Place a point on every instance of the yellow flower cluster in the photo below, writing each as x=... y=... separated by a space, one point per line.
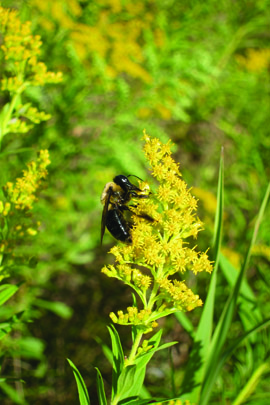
x=15 y=217
x=145 y=347
x=21 y=195
x=21 y=69
x=128 y=274
x=21 y=50
x=135 y=317
x=114 y=39
x=110 y=41
x=160 y=248
x=177 y=293
x=256 y=60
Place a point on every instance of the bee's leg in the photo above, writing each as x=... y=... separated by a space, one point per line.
x=143 y=215
x=124 y=208
x=136 y=195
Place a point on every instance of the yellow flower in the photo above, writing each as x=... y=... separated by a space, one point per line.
x=22 y=194
x=22 y=49
x=15 y=212
x=160 y=247
x=256 y=60
x=21 y=68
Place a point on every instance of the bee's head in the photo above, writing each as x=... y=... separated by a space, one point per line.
x=124 y=183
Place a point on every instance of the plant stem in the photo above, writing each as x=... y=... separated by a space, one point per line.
x=13 y=102
x=130 y=360
x=134 y=348
x=153 y=296
x=7 y=117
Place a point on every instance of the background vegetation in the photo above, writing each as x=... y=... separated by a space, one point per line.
x=196 y=72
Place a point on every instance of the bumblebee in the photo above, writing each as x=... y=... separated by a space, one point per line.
x=115 y=196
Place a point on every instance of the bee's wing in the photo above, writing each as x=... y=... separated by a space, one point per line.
x=104 y=213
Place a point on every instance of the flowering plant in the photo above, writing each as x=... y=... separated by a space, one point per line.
x=20 y=52
x=160 y=249
x=153 y=266
x=16 y=222
x=21 y=70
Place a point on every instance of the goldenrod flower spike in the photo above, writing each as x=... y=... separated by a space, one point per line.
x=22 y=50
x=22 y=194
x=15 y=211
x=160 y=249
x=21 y=68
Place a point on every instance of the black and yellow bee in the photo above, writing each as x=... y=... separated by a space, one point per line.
x=115 y=197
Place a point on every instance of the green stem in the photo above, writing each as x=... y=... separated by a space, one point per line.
x=130 y=360
x=14 y=100
x=134 y=348
x=140 y=293
x=152 y=297
x=8 y=115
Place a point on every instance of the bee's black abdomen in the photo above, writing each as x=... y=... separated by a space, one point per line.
x=117 y=226
x=115 y=198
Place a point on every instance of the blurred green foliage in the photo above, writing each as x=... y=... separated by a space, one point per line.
x=197 y=72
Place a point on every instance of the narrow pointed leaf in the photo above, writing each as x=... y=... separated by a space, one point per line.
x=82 y=390
x=118 y=357
x=225 y=356
x=251 y=384
x=11 y=393
x=225 y=320
x=185 y=322
x=195 y=371
x=130 y=401
x=132 y=377
x=249 y=312
x=6 y=292
x=100 y=389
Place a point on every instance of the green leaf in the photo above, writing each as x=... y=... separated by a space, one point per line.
x=185 y=322
x=108 y=353
x=249 y=312
x=155 y=339
x=131 y=401
x=29 y=347
x=6 y=292
x=225 y=320
x=150 y=400
x=132 y=377
x=15 y=151
x=118 y=357
x=251 y=384
x=126 y=383
x=195 y=369
x=144 y=393
x=12 y=393
x=152 y=351
x=5 y=328
x=100 y=389
x=142 y=401
x=82 y=390
x=106 y=350
x=57 y=307
x=165 y=346
x=222 y=359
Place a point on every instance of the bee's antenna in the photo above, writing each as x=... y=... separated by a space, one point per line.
x=133 y=175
